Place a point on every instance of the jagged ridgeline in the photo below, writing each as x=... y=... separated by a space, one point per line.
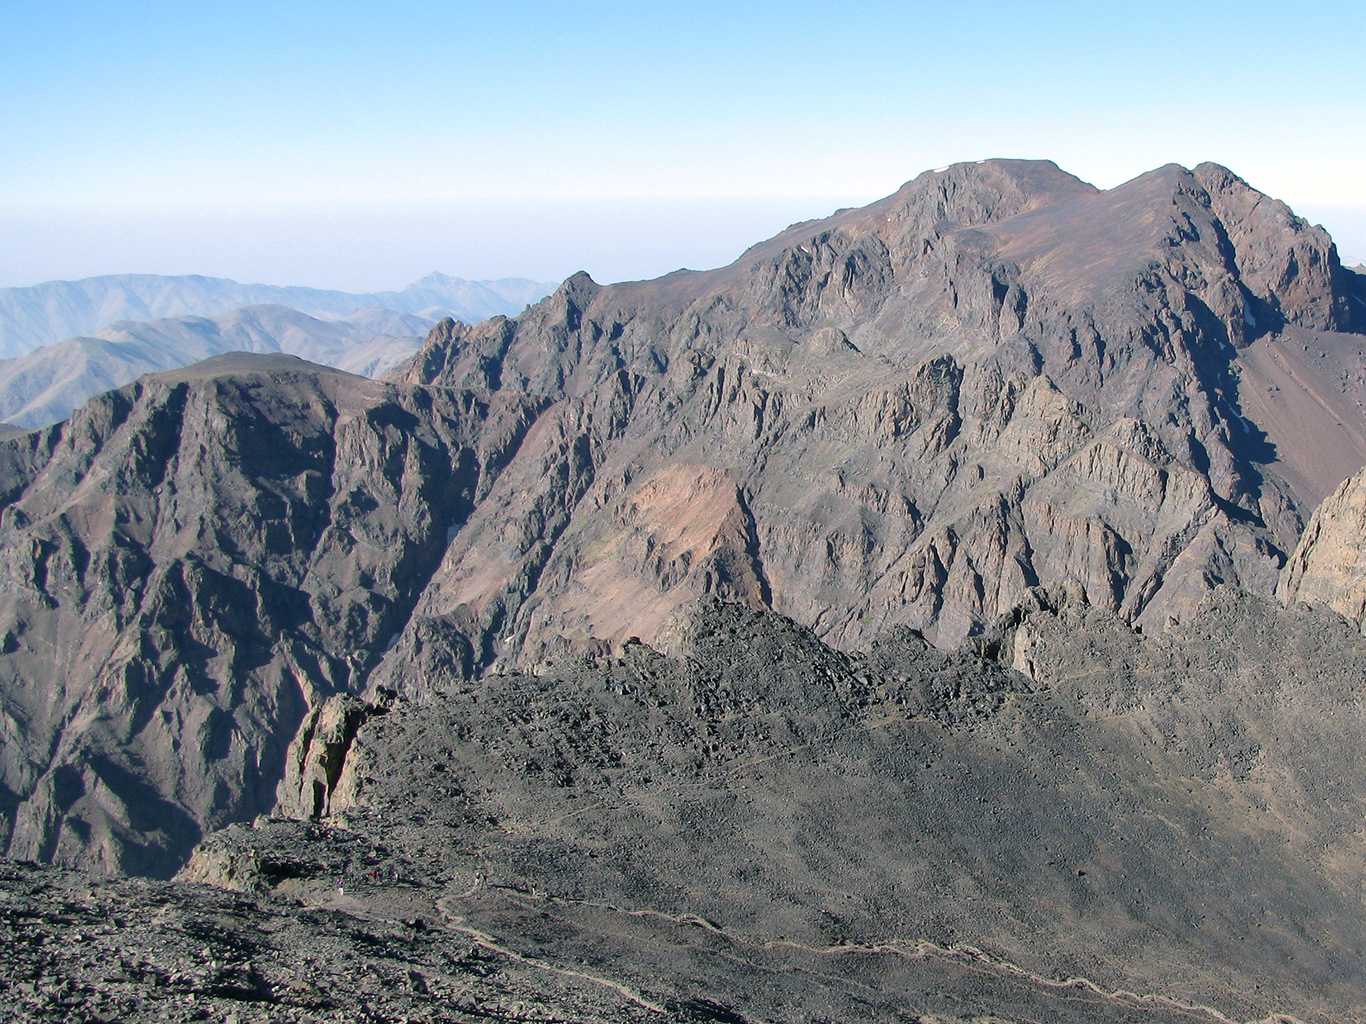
x=904 y=415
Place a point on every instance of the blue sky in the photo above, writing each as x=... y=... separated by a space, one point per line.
x=361 y=145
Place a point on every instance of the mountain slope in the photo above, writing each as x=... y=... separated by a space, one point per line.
x=1160 y=829
x=194 y=561
x=1148 y=829
x=907 y=415
x=997 y=377
x=51 y=312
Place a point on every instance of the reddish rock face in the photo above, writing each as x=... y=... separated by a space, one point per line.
x=683 y=533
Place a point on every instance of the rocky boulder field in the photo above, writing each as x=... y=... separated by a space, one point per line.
x=764 y=828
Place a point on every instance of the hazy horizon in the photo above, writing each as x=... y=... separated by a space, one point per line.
x=348 y=145
x=387 y=247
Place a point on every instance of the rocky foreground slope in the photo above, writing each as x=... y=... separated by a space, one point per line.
x=764 y=828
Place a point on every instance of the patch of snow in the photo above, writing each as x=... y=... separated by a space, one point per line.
x=941 y=170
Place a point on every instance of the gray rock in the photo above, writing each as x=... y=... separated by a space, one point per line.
x=776 y=828
x=1328 y=566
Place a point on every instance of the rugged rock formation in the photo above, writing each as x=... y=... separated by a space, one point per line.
x=313 y=764
x=995 y=378
x=908 y=415
x=195 y=562
x=1329 y=565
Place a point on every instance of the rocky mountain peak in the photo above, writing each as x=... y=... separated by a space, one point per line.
x=878 y=625
x=1289 y=267
x=970 y=194
x=959 y=305
x=905 y=417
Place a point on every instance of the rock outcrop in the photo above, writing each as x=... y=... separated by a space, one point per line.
x=314 y=762
x=1328 y=566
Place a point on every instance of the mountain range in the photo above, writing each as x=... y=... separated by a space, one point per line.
x=906 y=621
x=45 y=385
x=43 y=314
x=913 y=412
x=45 y=379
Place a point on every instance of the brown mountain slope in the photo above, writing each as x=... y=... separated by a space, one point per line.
x=191 y=563
x=998 y=376
x=909 y=414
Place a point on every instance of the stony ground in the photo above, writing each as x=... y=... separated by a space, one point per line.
x=77 y=950
x=766 y=829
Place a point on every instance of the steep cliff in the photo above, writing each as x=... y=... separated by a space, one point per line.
x=1328 y=566
x=997 y=377
x=192 y=563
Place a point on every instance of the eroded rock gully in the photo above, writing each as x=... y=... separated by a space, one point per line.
x=193 y=563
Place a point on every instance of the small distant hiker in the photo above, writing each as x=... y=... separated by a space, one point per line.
x=341 y=885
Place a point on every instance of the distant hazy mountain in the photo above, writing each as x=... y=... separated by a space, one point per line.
x=45 y=313
x=437 y=296
x=43 y=386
